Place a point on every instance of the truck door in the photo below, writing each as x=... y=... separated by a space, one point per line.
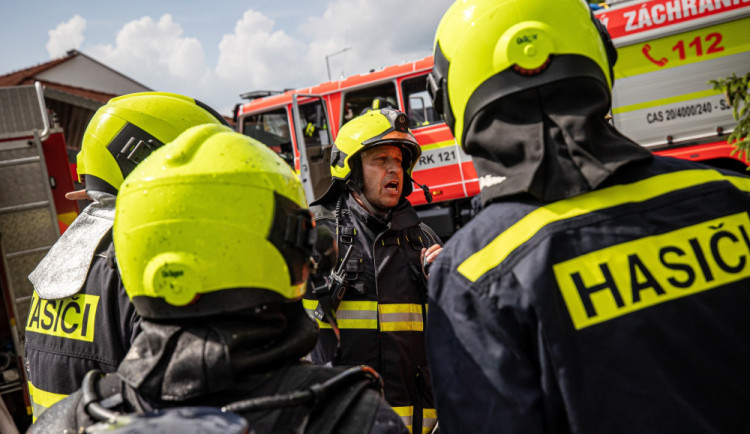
x=314 y=142
x=272 y=129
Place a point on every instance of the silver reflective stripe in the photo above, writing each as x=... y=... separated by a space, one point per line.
x=400 y=317
x=356 y=314
x=64 y=269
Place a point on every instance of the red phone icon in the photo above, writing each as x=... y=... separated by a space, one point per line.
x=646 y=49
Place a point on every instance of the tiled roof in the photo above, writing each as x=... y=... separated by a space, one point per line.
x=93 y=95
x=29 y=76
x=26 y=76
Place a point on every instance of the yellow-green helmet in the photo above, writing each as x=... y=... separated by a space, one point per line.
x=128 y=128
x=374 y=128
x=487 y=49
x=212 y=222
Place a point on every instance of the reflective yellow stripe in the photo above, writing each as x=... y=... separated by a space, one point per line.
x=429 y=419
x=438 y=145
x=350 y=314
x=406 y=414
x=41 y=400
x=498 y=249
x=67 y=217
x=69 y=318
x=665 y=101
x=617 y=280
x=401 y=317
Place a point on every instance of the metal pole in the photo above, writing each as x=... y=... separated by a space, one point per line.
x=328 y=67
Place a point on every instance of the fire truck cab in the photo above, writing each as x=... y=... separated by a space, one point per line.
x=301 y=125
x=668 y=51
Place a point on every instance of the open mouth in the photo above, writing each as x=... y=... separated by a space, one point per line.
x=392 y=187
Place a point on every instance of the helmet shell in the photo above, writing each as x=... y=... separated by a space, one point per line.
x=374 y=128
x=479 y=39
x=200 y=227
x=154 y=118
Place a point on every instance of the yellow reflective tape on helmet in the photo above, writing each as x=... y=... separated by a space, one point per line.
x=68 y=318
x=498 y=249
x=406 y=413
x=627 y=277
x=401 y=317
x=41 y=400
x=429 y=419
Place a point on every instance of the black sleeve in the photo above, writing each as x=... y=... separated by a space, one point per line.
x=61 y=417
x=484 y=372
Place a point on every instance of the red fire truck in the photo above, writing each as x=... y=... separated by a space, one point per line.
x=669 y=50
x=34 y=177
x=302 y=124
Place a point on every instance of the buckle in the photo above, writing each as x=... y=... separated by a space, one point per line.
x=136 y=150
x=298 y=231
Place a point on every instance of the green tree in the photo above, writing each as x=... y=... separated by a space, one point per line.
x=736 y=92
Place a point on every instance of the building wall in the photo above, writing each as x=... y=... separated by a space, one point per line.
x=81 y=71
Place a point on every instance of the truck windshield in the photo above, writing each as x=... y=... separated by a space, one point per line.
x=418 y=101
x=272 y=129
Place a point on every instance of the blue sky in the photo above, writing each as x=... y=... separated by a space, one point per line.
x=215 y=50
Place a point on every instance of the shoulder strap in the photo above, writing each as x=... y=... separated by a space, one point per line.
x=430 y=234
x=322 y=213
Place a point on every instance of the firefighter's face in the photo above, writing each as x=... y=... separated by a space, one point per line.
x=383 y=176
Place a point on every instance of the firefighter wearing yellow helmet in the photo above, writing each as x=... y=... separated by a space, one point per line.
x=600 y=289
x=213 y=242
x=378 y=298
x=94 y=323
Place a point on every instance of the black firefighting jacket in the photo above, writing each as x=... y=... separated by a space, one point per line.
x=217 y=361
x=621 y=310
x=66 y=338
x=382 y=315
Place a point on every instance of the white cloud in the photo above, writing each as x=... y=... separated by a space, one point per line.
x=380 y=33
x=257 y=56
x=155 y=53
x=66 y=36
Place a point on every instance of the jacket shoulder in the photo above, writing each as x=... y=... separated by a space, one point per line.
x=324 y=211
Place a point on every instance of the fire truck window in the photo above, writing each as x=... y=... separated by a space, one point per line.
x=418 y=101
x=272 y=129
x=314 y=124
x=360 y=101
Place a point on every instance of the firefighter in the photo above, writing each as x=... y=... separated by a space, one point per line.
x=601 y=289
x=80 y=317
x=213 y=244
x=380 y=320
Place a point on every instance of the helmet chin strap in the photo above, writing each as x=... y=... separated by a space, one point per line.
x=425 y=189
x=352 y=186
